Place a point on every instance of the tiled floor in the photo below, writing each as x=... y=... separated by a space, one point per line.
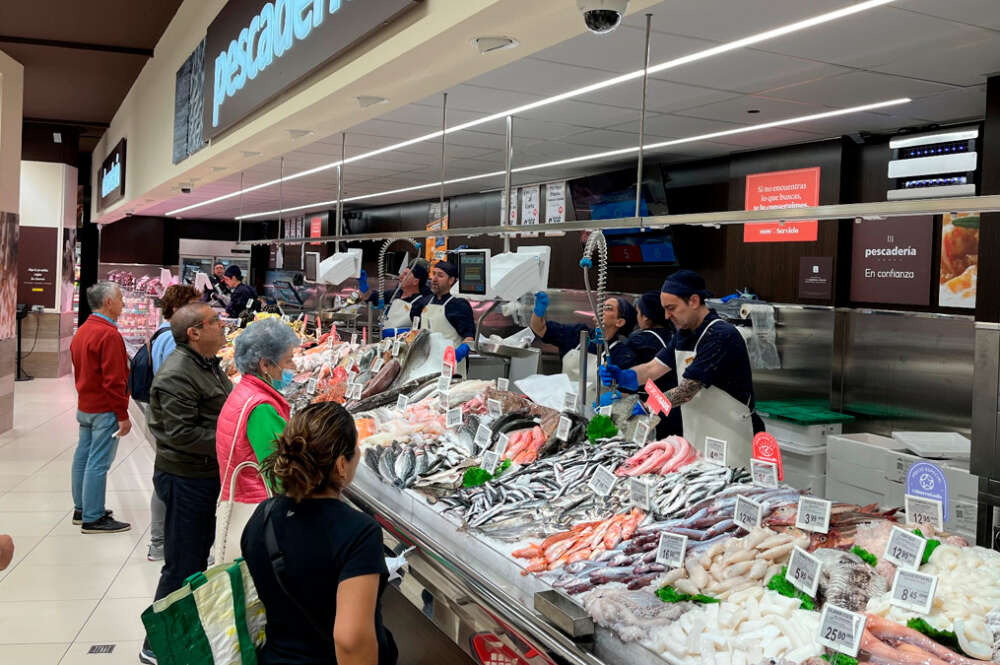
x=66 y=591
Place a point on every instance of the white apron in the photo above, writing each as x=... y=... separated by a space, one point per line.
x=432 y=318
x=714 y=412
x=398 y=314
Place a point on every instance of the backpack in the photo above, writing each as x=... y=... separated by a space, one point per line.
x=140 y=374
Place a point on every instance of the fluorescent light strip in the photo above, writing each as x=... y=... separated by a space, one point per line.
x=599 y=155
x=669 y=64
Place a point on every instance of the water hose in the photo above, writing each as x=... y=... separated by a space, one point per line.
x=596 y=242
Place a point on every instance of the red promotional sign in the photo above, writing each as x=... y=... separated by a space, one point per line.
x=766 y=449
x=779 y=190
x=449 y=357
x=658 y=402
x=315 y=229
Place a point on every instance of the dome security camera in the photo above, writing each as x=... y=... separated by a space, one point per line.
x=602 y=16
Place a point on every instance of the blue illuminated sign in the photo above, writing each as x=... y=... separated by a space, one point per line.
x=111 y=177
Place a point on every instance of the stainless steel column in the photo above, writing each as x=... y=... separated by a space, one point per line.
x=642 y=116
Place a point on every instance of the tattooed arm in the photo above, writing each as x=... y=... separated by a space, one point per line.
x=684 y=392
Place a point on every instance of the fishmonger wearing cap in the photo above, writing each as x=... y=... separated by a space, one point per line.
x=443 y=313
x=398 y=310
x=242 y=293
x=711 y=363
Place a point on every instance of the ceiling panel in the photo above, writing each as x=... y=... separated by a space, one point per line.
x=952 y=105
x=662 y=96
x=478 y=97
x=962 y=62
x=736 y=111
x=858 y=88
x=748 y=70
x=583 y=113
x=603 y=138
x=674 y=126
x=533 y=128
x=974 y=12
x=774 y=136
x=540 y=77
x=430 y=115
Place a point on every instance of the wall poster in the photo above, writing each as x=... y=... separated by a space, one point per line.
x=891 y=260
x=555 y=202
x=38 y=251
x=780 y=190
x=959 y=260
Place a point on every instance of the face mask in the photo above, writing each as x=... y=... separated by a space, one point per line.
x=286 y=378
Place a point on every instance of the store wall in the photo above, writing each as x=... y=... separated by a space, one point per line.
x=11 y=92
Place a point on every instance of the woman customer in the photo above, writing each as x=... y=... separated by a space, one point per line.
x=161 y=345
x=317 y=563
x=253 y=416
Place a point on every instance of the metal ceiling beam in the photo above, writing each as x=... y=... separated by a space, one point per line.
x=80 y=46
x=876 y=210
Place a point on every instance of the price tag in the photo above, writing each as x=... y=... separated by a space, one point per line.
x=490 y=462
x=354 y=338
x=803 y=571
x=715 y=450
x=562 y=432
x=356 y=390
x=569 y=401
x=641 y=433
x=641 y=493
x=904 y=549
x=747 y=513
x=494 y=407
x=605 y=411
x=603 y=481
x=443 y=384
x=402 y=402
x=453 y=418
x=814 y=514
x=764 y=473
x=841 y=629
x=378 y=364
x=311 y=386
x=503 y=383
x=913 y=591
x=501 y=444
x=447 y=370
x=671 y=549
x=396 y=345
x=766 y=448
x=657 y=402
x=483 y=436
x=924 y=511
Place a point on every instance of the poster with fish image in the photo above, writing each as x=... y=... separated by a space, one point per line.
x=959 y=260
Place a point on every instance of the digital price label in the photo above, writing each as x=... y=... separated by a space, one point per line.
x=396 y=346
x=311 y=386
x=920 y=511
x=764 y=473
x=913 y=591
x=641 y=492
x=490 y=462
x=603 y=481
x=447 y=370
x=841 y=629
x=338 y=302
x=569 y=401
x=483 y=436
x=747 y=513
x=904 y=549
x=803 y=571
x=641 y=433
x=562 y=431
x=670 y=550
x=813 y=514
x=494 y=408
x=604 y=411
x=402 y=402
x=501 y=445
x=354 y=338
x=503 y=383
x=453 y=418
x=443 y=384
x=715 y=450
x=378 y=364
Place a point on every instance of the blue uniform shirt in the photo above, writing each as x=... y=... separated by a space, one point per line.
x=458 y=311
x=238 y=301
x=722 y=359
x=566 y=337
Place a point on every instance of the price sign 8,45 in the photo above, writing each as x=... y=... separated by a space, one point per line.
x=913 y=591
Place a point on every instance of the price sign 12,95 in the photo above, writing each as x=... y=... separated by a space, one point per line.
x=747 y=513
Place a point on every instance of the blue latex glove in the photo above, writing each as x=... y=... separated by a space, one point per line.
x=598 y=336
x=380 y=305
x=363 y=281
x=392 y=332
x=625 y=378
x=461 y=352
x=541 y=303
x=608 y=398
x=637 y=410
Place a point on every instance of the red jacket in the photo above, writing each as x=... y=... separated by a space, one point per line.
x=100 y=366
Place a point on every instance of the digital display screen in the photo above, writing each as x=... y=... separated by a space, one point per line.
x=312 y=266
x=472 y=272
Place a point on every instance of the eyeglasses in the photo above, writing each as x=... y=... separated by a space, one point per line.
x=201 y=324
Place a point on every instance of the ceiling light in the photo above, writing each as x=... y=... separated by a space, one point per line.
x=490 y=44
x=56 y=137
x=295 y=134
x=364 y=101
x=247 y=154
x=753 y=111
x=600 y=85
x=597 y=156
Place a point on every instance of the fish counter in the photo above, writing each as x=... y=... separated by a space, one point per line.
x=544 y=537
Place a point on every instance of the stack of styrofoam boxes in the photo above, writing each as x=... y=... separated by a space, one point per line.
x=803 y=452
x=867 y=468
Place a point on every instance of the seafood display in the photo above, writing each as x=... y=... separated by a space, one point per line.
x=660 y=457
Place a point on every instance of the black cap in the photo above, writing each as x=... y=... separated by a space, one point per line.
x=684 y=284
x=649 y=304
x=626 y=311
x=234 y=271
x=447 y=268
x=419 y=270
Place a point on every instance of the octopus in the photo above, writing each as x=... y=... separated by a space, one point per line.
x=847 y=581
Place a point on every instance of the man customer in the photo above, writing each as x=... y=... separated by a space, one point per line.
x=254 y=415
x=100 y=368
x=184 y=403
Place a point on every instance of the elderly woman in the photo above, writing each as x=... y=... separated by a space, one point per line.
x=252 y=418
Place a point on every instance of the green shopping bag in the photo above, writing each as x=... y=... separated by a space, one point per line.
x=215 y=618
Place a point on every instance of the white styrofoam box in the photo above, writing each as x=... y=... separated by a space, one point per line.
x=836 y=490
x=804 y=435
x=816 y=484
x=936 y=445
x=856 y=466
x=804 y=467
x=963 y=499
